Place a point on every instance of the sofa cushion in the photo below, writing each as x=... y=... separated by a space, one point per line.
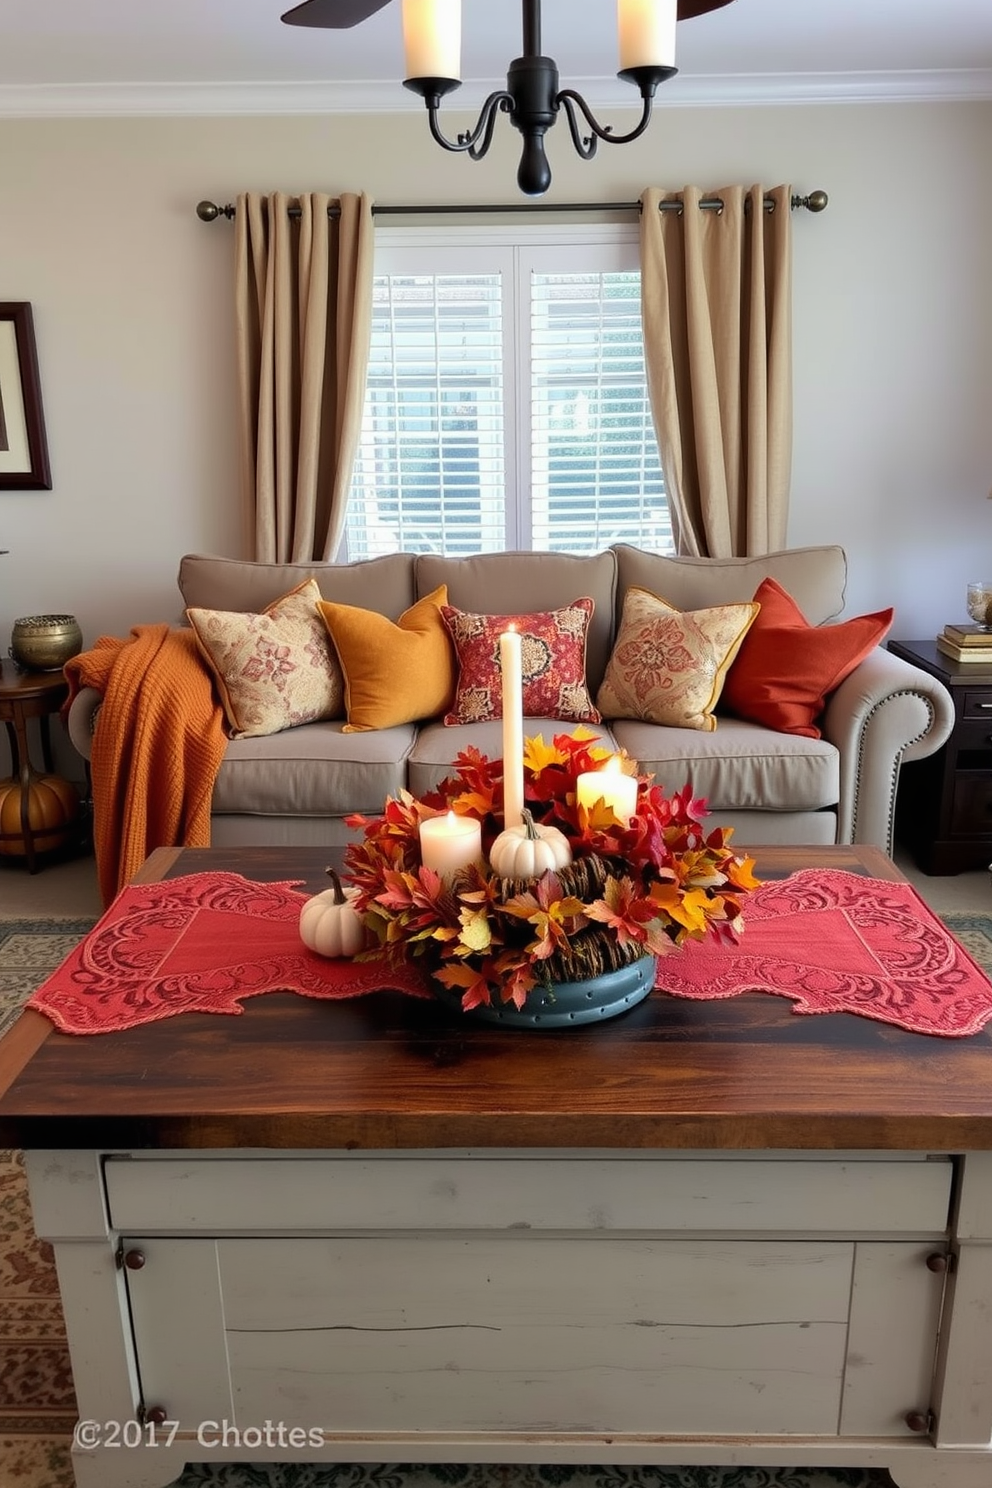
x=437 y=747
x=786 y=667
x=668 y=665
x=393 y=673
x=553 y=658
x=816 y=577
x=741 y=765
x=501 y=583
x=275 y=670
x=383 y=584
x=316 y=770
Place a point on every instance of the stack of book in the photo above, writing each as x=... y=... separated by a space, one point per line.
x=966 y=643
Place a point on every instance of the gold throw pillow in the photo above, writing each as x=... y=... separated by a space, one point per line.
x=394 y=672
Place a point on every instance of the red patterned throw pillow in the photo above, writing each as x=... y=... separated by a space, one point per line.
x=553 y=651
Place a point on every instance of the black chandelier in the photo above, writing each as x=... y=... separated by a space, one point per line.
x=431 y=30
x=532 y=98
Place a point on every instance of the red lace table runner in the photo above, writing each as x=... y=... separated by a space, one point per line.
x=829 y=940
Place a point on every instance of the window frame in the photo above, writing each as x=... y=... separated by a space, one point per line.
x=514 y=251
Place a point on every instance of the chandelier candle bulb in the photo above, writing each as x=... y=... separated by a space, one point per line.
x=448 y=843
x=611 y=785
x=511 y=666
x=432 y=38
x=647 y=33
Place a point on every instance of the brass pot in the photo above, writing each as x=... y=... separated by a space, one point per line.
x=44 y=643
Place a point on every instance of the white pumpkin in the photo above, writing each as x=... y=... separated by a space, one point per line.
x=330 y=924
x=529 y=850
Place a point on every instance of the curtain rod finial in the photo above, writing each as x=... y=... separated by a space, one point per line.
x=209 y=211
x=815 y=202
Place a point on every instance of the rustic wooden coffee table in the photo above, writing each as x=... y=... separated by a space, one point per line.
x=704 y=1232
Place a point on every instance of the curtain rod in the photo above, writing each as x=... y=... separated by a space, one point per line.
x=816 y=201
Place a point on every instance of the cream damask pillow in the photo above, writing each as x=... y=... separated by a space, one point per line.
x=274 y=670
x=668 y=665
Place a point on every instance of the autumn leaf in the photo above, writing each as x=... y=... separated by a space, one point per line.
x=689 y=908
x=539 y=756
x=625 y=910
x=475 y=933
x=517 y=985
x=476 y=993
x=740 y=873
x=475 y=803
x=553 y=918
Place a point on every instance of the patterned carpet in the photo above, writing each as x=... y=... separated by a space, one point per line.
x=37 y=1405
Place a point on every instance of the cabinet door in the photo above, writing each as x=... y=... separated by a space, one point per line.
x=504 y=1333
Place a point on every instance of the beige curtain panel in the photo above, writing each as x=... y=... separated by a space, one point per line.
x=716 y=305
x=304 y=303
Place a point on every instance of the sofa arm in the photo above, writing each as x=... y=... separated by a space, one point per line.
x=885 y=712
x=81 y=719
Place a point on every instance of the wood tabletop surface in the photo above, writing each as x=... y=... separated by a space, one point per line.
x=388 y=1071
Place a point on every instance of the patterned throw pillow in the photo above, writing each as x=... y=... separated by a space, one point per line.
x=668 y=665
x=553 y=652
x=273 y=670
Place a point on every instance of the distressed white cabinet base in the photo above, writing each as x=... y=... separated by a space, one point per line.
x=493 y=1306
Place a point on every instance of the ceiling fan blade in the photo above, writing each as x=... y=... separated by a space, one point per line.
x=689 y=8
x=340 y=15
x=332 y=15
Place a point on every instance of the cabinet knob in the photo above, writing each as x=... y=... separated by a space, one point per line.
x=157 y=1414
x=134 y=1260
x=917 y=1420
x=937 y=1261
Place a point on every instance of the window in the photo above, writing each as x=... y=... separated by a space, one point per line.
x=506 y=404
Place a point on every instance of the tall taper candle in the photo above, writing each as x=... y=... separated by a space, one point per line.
x=511 y=665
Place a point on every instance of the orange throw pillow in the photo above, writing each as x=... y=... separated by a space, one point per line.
x=786 y=668
x=393 y=672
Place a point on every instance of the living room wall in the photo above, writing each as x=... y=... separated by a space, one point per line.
x=133 y=314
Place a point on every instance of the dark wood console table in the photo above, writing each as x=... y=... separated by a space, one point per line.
x=944 y=805
x=703 y=1232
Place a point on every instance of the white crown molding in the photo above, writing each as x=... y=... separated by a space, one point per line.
x=70 y=100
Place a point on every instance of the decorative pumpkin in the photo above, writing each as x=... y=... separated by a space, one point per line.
x=52 y=807
x=329 y=923
x=529 y=850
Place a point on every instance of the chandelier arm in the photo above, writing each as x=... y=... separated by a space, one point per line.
x=469 y=141
x=587 y=147
x=494 y=104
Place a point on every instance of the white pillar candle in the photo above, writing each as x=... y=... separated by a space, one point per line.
x=432 y=38
x=511 y=666
x=450 y=842
x=647 y=32
x=610 y=784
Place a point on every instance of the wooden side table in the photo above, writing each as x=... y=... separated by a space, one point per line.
x=23 y=696
x=944 y=805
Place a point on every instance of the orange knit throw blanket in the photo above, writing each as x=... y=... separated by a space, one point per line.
x=156 y=750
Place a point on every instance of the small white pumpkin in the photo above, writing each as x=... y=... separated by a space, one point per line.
x=329 y=923
x=529 y=850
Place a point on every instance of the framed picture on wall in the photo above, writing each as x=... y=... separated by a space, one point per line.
x=23 y=446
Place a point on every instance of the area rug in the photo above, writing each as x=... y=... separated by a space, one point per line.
x=37 y=1405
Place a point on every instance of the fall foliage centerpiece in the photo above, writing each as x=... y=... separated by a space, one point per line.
x=571 y=893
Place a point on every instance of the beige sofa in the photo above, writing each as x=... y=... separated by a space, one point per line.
x=296 y=787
